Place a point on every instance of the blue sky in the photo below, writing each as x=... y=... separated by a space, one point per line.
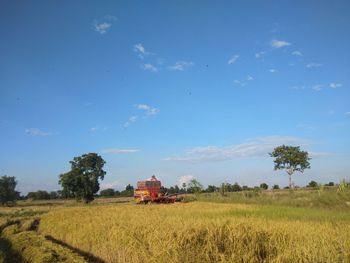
x=178 y=89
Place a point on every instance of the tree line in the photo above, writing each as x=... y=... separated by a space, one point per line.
x=82 y=181
x=9 y=195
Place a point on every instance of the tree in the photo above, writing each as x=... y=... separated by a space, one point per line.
x=107 y=192
x=8 y=193
x=53 y=195
x=211 y=188
x=194 y=186
x=275 y=187
x=184 y=187
x=129 y=191
x=291 y=159
x=313 y=184
x=129 y=187
x=236 y=187
x=264 y=186
x=82 y=180
x=330 y=184
x=39 y=195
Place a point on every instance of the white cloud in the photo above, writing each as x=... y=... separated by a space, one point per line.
x=335 y=85
x=131 y=120
x=147 y=109
x=314 y=65
x=240 y=83
x=149 y=67
x=318 y=87
x=37 y=132
x=181 y=65
x=259 y=54
x=258 y=147
x=273 y=70
x=97 y=128
x=297 y=53
x=139 y=48
x=102 y=28
x=279 y=43
x=119 y=151
x=347 y=113
x=141 y=51
x=186 y=179
x=249 y=77
x=233 y=59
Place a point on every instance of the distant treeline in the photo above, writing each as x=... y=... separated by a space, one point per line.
x=193 y=187
x=129 y=190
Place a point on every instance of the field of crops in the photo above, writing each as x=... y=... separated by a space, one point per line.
x=256 y=228
x=203 y=232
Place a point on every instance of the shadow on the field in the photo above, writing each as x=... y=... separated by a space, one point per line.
x=87 y=256
x=8 y=254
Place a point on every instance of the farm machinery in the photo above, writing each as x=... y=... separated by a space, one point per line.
x=149 y=192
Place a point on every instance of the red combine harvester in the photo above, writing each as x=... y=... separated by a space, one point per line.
x=149 y=192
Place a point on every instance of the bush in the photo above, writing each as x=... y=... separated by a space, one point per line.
x=264 y=186
x=8 y=192
x=312 y=184
x=107 y=192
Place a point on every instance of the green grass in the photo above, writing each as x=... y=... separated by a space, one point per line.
x=326 y=198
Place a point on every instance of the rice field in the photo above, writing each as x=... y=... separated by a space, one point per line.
x=304 y=226
x=203 y=232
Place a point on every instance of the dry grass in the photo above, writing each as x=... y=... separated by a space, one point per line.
x=203 y=232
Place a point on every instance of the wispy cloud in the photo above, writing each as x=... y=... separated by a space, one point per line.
x=233 y=59
x=97 y=128
x=273 y=70
x=258 y=147
x=130 y=121
x=319 y=87
x=102 y=28
x=347 y=113
x=335 y=85
x=147 y=109
x=240 y=83
x=314 y=65
x=181 y=65
x=119 y=151
x=259 y=54
x=37 y=132
x=149 y=67
x=297 y=53
x=141 y=51
x=279 y=43
x=250 y=77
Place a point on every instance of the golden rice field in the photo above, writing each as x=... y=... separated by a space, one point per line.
x=202 y=232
